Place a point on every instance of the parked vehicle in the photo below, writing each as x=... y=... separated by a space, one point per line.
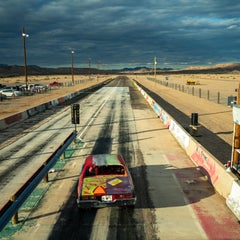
x=105 y=181
x=2 y=86
x=10 y=92
x=10 y=88
x=192 y=82
x=56 y=84
x=30 y=86
x=38 y=86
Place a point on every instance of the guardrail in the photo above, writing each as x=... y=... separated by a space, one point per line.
x=10 y=209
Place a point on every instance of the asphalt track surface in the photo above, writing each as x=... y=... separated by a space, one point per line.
x=174 y=200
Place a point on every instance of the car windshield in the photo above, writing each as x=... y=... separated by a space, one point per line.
x=105 y=170
x=7 y=90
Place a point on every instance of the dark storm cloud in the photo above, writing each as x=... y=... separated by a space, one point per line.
x=121 y=33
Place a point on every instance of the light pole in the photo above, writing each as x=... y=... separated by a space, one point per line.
x=72 y=52
x=155 y=68
x=89 y=68
x=98 y=71
x=24 y=36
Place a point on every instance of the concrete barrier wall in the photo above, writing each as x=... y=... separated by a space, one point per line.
x=224 y=182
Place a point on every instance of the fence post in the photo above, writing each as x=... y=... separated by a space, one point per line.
x=15 y=216
x=208 y=95
x=193 y=91
x=200 y=93
x=45 y=179
x=218 y=100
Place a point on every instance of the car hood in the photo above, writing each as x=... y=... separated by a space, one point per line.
x=110 y=184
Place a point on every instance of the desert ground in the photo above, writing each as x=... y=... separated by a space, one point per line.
x=216 y=117
x=224 y=84
x=216 y=126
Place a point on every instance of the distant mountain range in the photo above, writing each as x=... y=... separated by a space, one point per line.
x=14 y=70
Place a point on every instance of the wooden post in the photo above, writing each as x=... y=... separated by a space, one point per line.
x=15 y=216
x=236 y=144
x=236 y=138
x=45 y=179
x=155 y=70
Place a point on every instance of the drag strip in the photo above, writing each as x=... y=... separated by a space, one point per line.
x=173 y=198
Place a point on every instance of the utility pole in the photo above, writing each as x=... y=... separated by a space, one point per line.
x=98 y=71
x=89 y=68
x=155 y=69
x=24 y=35
x=72 y=52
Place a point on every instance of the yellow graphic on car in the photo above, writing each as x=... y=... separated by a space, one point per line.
x=115 y=181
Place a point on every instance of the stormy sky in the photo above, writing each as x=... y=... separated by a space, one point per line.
x=120 y=33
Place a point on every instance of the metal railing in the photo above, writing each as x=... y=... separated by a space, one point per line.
x=10 y=209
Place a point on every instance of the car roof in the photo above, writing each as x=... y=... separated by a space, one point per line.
x=104 y=159
x=7 y=90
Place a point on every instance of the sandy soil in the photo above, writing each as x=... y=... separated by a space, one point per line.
x=209 y=84
x=216 y=117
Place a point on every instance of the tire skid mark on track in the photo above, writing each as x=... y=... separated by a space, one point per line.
x=20 y=129
x=24 y=160
x=128 y=226
x=71 y=223
x=103 y=143
x=23 y=128
x=127 y=223
x=123 y=223
x=20 y=145
x=12 y=165
x=145 y=215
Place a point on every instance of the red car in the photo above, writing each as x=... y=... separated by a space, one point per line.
x=56 y=84
x=105 y=181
